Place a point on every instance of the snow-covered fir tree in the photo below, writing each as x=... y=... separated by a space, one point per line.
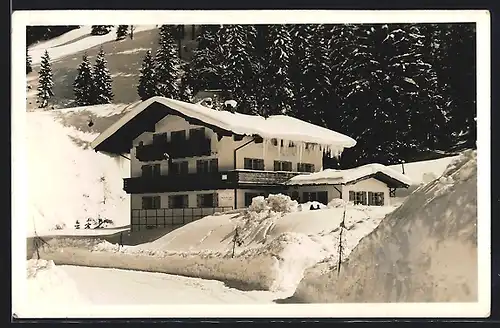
x=121 y=32
x=45 y=81
x=102 y=92
x=204 y=71
x=167 y=64
x=147 y=78
x=277 y=90
x=83 y=85
x=29 y=68
x=240 y=65
x=315 y=91
x=100 y=29
x=389 y=94
x=301 y=38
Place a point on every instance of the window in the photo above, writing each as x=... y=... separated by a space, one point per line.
x=178 y=136
x=295 y=195
x=282 y=166
x=207 y=165
x=196 y=134
x=250 y=195
x=376 y=198
x=305 y=167
x=160 y=138
x=151 y=170
x=151 y=202
x=318 y=196
x=207 y=200
x=178 y=201
x=180 y=167
x=358 y=197
x=254 y=164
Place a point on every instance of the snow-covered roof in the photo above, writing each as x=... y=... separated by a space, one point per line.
x=278 y=126
x=335 y=177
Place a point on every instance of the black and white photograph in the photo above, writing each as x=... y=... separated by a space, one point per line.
x=275 y=163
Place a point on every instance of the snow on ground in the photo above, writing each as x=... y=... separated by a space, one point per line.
x=59 y=290
x=48 y=286
x=412 y=255
x=276 y=242
x=68 y=181
x=73 y=42
x=424 y=171
x=132 y=51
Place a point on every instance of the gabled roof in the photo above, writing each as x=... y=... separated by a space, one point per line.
x=391 y=177
x=118 y=137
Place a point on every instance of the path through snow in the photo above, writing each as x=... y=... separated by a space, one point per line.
x=123 y=287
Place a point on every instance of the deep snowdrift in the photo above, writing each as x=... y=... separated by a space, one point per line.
x=425 y=251
x=277 y=240
x=67 y=180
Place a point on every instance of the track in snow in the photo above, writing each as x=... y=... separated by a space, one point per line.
x=103 y=286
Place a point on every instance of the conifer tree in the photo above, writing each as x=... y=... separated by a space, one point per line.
x=167 y=64
x=314 y=94
x=277 y=90
x=147 y=79
x=240 y=65
x=29 y=68
x=204 y=71
x=45 y=82
x=83 y=85
x=100 y=29
x=121 y=32
x=102 y=87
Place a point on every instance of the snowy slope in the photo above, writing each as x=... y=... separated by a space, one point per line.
x=124 y=62
x=74 y=41
x=425 y=251
x=68 y=181
x=424 y=171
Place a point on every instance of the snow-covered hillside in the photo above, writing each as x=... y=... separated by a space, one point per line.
x=425 y=251
x=124 y=59
x=67 y=180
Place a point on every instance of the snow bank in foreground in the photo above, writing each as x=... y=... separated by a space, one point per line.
x=48 y=286
x=275 y=243
x=412 y=255
x=67 y=180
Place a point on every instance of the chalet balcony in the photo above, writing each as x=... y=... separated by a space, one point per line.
x=207 y=181
x=180 y=149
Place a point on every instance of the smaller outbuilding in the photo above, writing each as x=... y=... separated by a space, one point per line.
x=371 y=184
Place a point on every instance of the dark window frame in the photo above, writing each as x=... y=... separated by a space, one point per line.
x=283 y=166
x=151 y=202
x=173 y=204
x=254 y=164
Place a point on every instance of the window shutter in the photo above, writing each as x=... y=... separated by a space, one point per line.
x=185 y=201
x=143 y=203
x=260 y=164
x=157 y=202
x=363 y=198
x=216 y=200
x=248 y=164
x=199 y=199
x=382 y=202
x=371 y=200
x=288 y=166
x=214 y=165
x=276 y=165
x=170 y=201
x=311 y=168
x=352 y=198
